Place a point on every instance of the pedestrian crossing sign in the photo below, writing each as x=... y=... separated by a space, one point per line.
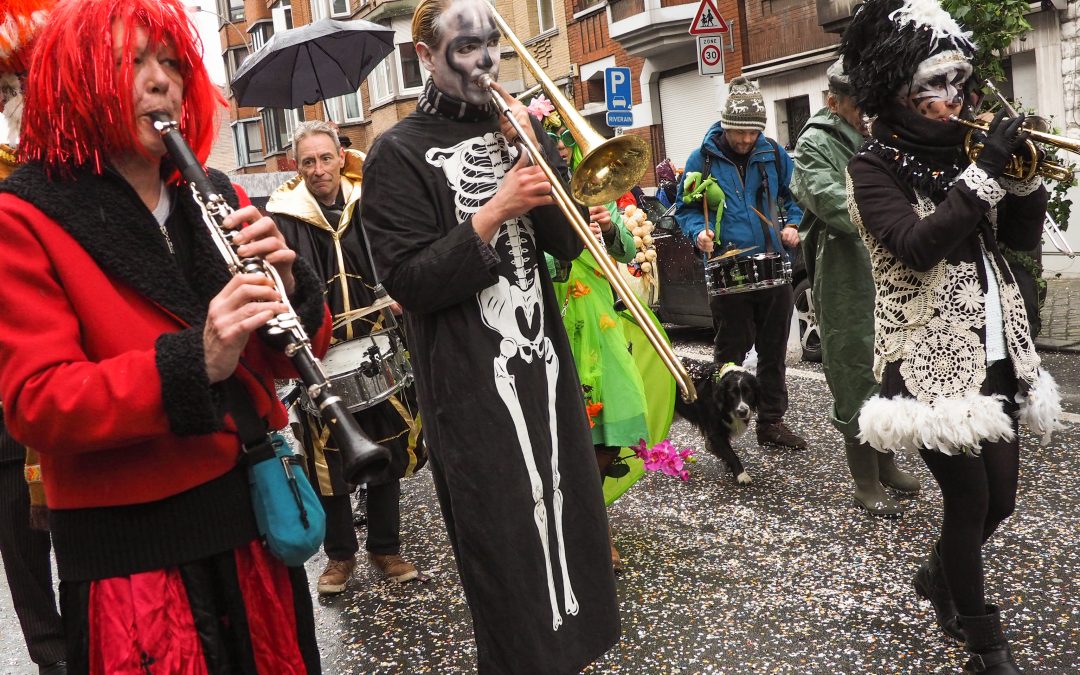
x=708 y=21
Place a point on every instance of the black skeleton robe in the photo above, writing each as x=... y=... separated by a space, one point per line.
x=486 y=336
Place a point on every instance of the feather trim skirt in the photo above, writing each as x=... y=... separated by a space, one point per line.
x=956 y=426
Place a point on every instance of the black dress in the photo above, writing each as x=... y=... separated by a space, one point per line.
x=498 y=391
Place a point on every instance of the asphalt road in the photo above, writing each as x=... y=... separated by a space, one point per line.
x=781 y=576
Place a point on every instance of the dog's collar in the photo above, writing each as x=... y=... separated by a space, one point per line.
x=726 y=368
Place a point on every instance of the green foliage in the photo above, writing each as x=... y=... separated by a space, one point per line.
x=994 y=24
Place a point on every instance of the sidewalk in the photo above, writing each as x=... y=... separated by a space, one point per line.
x=1061 y=316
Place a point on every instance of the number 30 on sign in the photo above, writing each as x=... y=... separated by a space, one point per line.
x=710 y=50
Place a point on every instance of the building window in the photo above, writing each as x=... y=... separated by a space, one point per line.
x=347 y=108
x=248 y=139
x=412 y=75
x=233 y=58
x=379 y=82
x=260 y=33
x=320 y=9
x=233 y=10
x=546 y=15
x=282 y=15
x=582 y=5
x=624 y=9
x=278 y=124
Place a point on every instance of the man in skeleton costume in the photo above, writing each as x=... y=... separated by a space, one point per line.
x=459 y=226
x=956 y=362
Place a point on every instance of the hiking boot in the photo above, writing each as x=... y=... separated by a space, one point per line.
x=394 y=567
x=336 y=576
x=777 y=433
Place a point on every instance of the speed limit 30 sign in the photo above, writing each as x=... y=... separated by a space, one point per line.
x=710 y=54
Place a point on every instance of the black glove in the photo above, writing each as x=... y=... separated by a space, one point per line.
x=1004 y=138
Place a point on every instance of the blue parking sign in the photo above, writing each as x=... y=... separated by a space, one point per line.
x=618 y=90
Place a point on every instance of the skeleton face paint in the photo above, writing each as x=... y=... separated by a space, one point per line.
x=937 y=88
x=468 y=48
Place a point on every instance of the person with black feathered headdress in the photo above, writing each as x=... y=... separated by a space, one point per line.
x=953 y=351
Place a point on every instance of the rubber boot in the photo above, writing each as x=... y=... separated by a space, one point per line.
x=893 y=476
x=863 y=462
x=986 y=643
x=931 y=585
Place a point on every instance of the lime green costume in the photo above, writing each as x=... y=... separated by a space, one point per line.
x=611 y=375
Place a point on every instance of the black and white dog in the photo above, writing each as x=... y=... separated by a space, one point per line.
x=727 y=399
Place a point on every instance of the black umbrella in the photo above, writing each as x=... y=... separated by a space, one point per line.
x=321 y=60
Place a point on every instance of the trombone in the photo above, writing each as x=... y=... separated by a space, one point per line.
x=608 y=169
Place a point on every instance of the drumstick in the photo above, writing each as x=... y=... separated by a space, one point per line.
x=705 y=212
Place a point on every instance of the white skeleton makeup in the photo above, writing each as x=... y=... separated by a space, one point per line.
x=514 y=308
x=939 y=80
x=468 y=48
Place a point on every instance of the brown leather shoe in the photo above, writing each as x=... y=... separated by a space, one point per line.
x=616 y=559
x=394 y=567
x=336 y=576
x=777 y=433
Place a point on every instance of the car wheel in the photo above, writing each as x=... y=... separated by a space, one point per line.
x=809 y=334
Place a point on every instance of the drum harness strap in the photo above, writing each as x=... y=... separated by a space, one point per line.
x=765 y=196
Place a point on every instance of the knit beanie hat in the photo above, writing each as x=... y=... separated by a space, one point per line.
x=745 y=108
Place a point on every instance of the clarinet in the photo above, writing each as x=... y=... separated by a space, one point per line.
x=363 y=459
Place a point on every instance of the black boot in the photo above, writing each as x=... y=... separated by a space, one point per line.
x=986 y=643
x=930 y=584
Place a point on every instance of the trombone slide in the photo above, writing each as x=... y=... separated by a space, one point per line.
x=571 y=211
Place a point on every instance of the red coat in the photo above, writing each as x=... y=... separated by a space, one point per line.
x=101 y=370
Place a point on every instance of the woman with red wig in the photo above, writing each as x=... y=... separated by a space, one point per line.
x=121 y=329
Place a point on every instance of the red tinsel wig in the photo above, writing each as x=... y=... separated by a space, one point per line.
x=79 y=103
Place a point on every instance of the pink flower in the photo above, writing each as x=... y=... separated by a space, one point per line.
x=665 y=457
x=540 y=107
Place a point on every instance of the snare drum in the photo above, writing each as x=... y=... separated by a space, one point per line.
x=746 y=273
x=364 y=371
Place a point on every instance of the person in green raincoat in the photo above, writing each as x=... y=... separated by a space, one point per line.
x=843 y=288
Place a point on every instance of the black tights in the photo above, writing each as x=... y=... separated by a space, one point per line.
x=979 y=493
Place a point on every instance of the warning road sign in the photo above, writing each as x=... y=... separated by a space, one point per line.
x=710 y=54
x=708 y=21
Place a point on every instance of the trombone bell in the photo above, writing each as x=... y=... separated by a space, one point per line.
x=609 y=170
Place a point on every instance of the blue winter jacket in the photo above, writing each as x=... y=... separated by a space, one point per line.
x=739 y=225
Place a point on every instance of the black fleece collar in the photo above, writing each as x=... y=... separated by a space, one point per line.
x=106 y=217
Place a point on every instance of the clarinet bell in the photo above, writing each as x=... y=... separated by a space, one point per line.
x=363 y=460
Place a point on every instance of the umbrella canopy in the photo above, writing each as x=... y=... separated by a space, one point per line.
x=310 y=63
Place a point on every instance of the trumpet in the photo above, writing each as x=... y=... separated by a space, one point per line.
x=364 y=459
x=608 y=169
x=1027 y=165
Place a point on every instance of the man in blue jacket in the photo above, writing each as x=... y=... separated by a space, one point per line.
x=754 y=172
